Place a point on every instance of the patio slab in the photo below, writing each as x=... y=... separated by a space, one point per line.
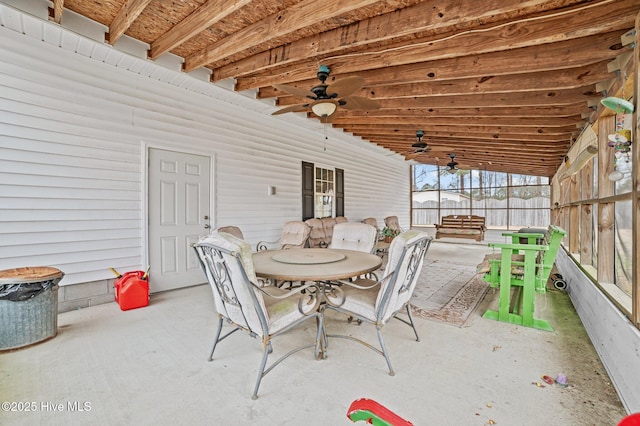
x=149 y=366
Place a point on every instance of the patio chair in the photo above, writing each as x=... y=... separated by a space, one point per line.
x=376 y=302
x=354 y=236
x=525 y=267
x=373 y=222
x=341 y=219
x=294 y=235
x=393 y=223
x=263 y=312
x=322 y=230
x=233 y=230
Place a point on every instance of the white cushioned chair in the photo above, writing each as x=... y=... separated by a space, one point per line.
x=233 y=230
x=392 y=222
x=295 y=234
x=354 y=236
x=376 y=302
x=262 y=312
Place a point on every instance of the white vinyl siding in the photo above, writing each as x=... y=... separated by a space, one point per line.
x=76 y=117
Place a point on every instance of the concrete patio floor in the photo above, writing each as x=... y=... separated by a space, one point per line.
x=149 y=366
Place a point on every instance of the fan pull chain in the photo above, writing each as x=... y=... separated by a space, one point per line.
x=324 y=128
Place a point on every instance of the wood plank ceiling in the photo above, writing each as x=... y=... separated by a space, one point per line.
x=506 y=85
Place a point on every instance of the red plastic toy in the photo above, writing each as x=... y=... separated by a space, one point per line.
x=374 y=414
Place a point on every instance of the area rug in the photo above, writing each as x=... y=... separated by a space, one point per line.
x=447 y=292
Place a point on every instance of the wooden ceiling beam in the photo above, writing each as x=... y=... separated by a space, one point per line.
x=437 y=141
x=512 y=162
x=415 y=121
x=503 y=81
x=128 y=13
x=278 y=25
x=553 y=56
x=544 y=80
x=573 y=23
x=529 y=34
x=483 y=157
x=368 y=134
x=495 y=158
x=425 y=18
x=512 y=99
x=574 y=110
x=551 y=149
x=505 y=167
x=55 y=12
x=410 y=131
x=205 y=16
x=513 y=166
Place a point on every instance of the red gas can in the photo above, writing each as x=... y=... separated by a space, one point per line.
x=132 y=290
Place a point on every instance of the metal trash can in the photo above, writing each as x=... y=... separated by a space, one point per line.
x=28 y=305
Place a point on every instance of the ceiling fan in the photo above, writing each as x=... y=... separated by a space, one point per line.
x=453 y=166
x=326 y=98
x=420 y=147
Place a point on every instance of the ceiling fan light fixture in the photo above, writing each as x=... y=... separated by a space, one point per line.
x=323 y=109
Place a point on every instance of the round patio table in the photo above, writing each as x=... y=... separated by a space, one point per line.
x=313 y=264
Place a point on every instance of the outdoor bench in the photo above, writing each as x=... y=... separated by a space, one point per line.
x=461 y=226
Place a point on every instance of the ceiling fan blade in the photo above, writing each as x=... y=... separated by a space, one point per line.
x=346 y=86
x=292 y=108
x=358 y=102
x=295 y=91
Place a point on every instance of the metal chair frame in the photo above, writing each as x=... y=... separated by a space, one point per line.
x=401 y=281
x=214 y=262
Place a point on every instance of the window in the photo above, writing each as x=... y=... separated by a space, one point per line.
x=597 y=211
x=506 y=201
x=324 y=193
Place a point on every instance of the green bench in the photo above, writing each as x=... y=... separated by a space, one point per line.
x=525 y=267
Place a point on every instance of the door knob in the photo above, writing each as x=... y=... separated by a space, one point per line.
x=207 y=226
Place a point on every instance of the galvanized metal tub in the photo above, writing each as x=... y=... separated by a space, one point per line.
x=28 y=305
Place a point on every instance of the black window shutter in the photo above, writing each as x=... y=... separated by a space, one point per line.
x=308 y=181
x=339 y=192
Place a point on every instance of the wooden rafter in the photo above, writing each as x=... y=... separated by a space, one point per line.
x=429 y=17
x=125 y=17
x=496 y=80
x=278 y=25
x=208 y=14
x=560 y=55
x=544 y=80
x=55 y=12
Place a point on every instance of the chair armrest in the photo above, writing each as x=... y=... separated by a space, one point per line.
x=308 y=302
x=264 y=245
x=269 y=291
x=525 y=247
x=371 y=284
x=523 y=234
x=515 y=236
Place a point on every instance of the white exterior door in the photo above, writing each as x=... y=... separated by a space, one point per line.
x=179 y=199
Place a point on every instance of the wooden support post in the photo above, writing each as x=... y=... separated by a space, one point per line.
x=606 y=211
